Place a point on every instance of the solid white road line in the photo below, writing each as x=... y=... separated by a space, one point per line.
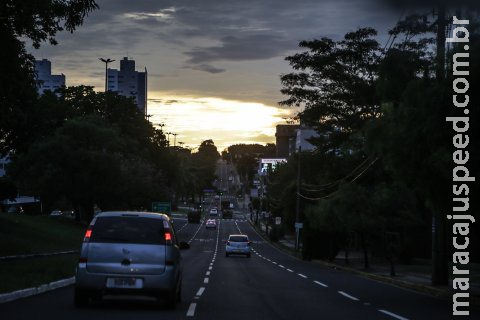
x=302 y=275
x=391 y=314
x=321 y=284
x=348 y=296
x=191 y=309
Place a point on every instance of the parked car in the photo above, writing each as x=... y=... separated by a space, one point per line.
x=211 y=223
x=129 y=253
x=238 y=244
x=15 y=209
x=213 y=212
x=56 y=213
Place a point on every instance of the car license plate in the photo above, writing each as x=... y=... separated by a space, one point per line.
x=130 y=283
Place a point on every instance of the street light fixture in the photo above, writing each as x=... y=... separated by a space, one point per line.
x=168 y=137
x=175 y=139
x=106 y=61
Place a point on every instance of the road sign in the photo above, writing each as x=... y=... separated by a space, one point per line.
x=278 y=220
x=162 y=207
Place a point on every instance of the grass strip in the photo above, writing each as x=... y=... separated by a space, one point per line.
x=29 y=273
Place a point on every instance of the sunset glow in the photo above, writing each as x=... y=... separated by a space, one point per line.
x=226 y=122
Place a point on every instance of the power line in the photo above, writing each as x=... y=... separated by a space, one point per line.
x=333 y=183
x=330 y=194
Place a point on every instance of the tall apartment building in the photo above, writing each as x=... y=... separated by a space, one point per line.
x=130 y=83
x=285 y=138
x=45 y=79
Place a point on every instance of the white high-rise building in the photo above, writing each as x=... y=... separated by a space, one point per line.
x=45 y=79
x=130 y=83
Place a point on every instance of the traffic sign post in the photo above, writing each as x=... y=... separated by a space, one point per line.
x=162 y=207
x=278 y=220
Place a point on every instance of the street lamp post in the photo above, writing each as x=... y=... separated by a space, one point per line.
x=168 y=137
x=106 y=61
x=175 y=139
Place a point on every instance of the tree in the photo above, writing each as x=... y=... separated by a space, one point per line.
x=8 y=189
x=335 y=84
x=37 y=21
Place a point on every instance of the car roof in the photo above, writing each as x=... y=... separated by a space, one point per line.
x=238 y=235
x=142 y=214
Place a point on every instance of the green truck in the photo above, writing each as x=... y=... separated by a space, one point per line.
x=227 y=212
x=195 y=214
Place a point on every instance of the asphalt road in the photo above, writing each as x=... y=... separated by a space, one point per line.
x=269 y=285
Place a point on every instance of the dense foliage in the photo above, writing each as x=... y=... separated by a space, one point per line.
x=382 y=165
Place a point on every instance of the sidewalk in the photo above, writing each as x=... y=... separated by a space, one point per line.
x=415 y=276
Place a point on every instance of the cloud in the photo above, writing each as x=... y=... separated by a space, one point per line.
x=241 y=48
x=205 y=67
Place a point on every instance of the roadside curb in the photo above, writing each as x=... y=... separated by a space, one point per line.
x=444 y=294
x=10 y=296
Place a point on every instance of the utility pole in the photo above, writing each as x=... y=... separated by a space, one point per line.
x=439 y=242
x=297 y=207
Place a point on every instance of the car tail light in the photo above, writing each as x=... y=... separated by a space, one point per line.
x=168 y=237
x=82 y=260
x=87 y=236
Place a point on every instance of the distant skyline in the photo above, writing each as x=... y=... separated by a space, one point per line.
x=224 y=56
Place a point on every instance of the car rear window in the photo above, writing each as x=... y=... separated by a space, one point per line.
x=128 y=230
x=238 y=239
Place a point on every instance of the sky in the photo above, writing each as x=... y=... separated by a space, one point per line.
x=213 y=66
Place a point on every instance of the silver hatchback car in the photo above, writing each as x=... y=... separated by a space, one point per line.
x=129 y=253
x=238 y=244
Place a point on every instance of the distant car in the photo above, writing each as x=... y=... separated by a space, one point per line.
x=211 y=223
x=238 y=244
x=15 y=209
x=56 y=213
x=213 y=211
x=129 y=253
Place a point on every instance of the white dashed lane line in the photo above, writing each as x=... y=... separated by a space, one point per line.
x=289 y=270
x=191 y=309
x=321 y=284
x=348 y=296
x=391 y=314
x=200 y=291
x=302 y=275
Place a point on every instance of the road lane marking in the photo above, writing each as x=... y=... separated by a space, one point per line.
x=391 y=314
x=210 y=268
x=274 y=262
x=208 y=273
x=281 y=266
x=205 y=280
x=289 y=270
x=200 y=291
x=348 y=296
x=321 y=284
x=302 y=275
x=191 y=309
